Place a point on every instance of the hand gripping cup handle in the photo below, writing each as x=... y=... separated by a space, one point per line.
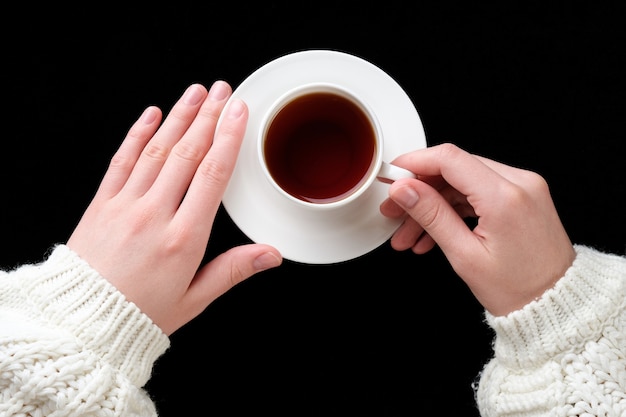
x=389 y=173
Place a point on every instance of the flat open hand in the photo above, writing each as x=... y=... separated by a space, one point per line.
x=148 y=225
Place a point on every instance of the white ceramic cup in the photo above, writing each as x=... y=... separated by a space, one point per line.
x=321 y=146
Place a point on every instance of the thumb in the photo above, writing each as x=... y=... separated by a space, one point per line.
x=229 y=269
x=433 y=213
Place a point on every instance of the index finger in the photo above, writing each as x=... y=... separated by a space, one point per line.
x=207 y=187
x=468 y=174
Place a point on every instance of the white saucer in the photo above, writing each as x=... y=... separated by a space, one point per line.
x=299 y=234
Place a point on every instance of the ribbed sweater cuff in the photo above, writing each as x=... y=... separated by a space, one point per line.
x=592 y=291
x=75 y=297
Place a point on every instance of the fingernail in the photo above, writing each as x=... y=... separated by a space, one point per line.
x=149 y=115
x=218 y=91
x=405 y=196
x=265 y=261
x=193 y=95
x=235 y=109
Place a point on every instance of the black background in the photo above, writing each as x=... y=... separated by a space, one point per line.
x=533 y=84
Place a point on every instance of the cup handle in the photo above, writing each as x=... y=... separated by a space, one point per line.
x=389 y=173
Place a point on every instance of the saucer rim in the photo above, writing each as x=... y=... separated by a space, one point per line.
x=266 y=217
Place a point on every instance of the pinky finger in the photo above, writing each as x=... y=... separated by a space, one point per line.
x=125 y=158
x=424 y=244
x=407 y=235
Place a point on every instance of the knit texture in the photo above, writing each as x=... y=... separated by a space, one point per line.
x=71 y=344
x=565 y=353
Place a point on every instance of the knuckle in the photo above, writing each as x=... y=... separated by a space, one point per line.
x=536 y=182
x=229 y=127
x=142 y=219
x=178 y=239
x=514 y=196
x=121 y=161
x=187 y=151
x=524 y=193
x=135 y=134
x=180 y=115
x=211 y=113
x=449 y=151
x=430 y=216
x=237 y=275
x=156 y=151
x=213 y=172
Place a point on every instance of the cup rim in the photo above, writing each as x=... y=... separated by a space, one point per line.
x=300 y=90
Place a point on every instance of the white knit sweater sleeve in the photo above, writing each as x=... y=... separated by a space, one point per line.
x=71 y=345
x=565 y=353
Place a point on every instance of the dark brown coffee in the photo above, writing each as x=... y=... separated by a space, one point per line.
x=319 y=147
